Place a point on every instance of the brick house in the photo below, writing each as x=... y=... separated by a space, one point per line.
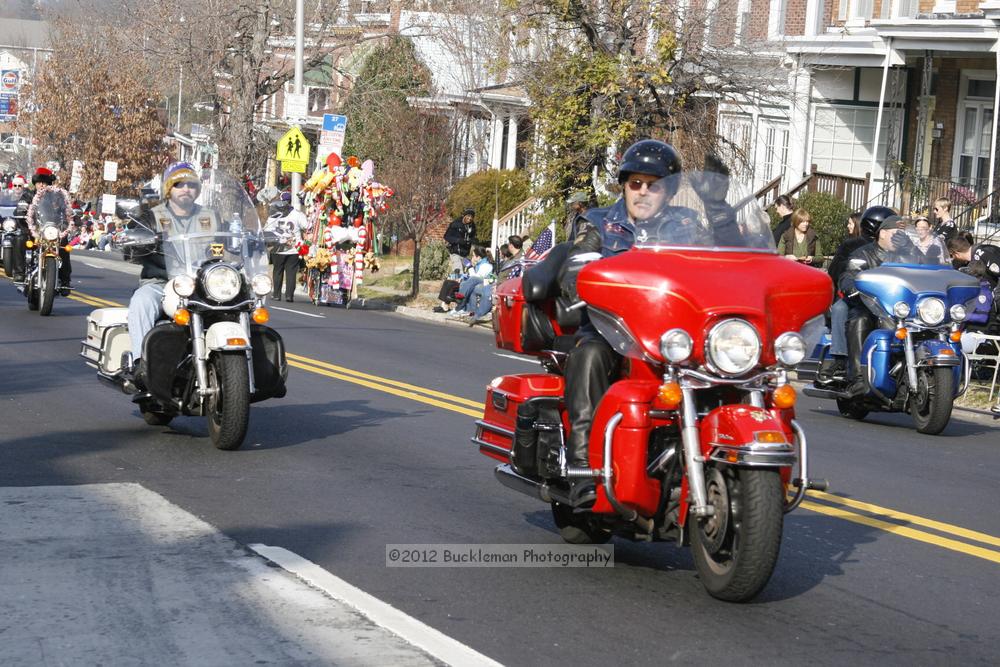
x=917 y=78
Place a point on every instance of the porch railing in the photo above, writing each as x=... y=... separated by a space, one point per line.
x=517 y=221
x=852 y=190
x=920 y=192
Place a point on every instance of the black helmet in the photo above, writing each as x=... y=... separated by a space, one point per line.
x=872 y=219
x=649 y=156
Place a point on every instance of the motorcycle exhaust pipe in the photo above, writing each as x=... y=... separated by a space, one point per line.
x=507 y=476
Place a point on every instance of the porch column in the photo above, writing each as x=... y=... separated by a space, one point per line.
x=496 y=142
x=878 y=117
x=800 y=84
x=511 y=141
x=993 y=142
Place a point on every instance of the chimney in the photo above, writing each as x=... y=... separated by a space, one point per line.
x=395 y=7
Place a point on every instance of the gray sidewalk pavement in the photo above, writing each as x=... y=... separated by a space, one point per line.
x=114 y=574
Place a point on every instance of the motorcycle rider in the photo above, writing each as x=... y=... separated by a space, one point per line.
x=46 y=177
x=177 y=214
x=592 y=365
x=889 y=241
x=46 y=181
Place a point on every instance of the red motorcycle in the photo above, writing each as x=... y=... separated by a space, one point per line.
x=697 y=439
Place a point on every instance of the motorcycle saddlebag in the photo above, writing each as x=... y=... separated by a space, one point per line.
x=107 y=339
x=505 y=397
x=270 y=370
x=164 y=349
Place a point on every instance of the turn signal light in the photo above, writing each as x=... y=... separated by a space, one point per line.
x=29 y=244
x=236 y=342
x=770 y=437
x=955 y=336
x=261 y=316
x=783 y=397
x=901 y=333
x=68 y=248
x=947 y=352
x=668 y=397
x=182 y=317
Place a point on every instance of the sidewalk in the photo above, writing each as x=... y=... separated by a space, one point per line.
x=114 y=574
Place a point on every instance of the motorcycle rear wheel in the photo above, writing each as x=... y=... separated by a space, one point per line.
x=851 y=408
x=229 y=403
x=577 y=528
x=931 y=404
x=735 y=550
x=47 y=294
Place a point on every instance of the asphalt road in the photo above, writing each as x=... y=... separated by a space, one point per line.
x=899 y=564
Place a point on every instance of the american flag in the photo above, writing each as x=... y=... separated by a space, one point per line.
x=541 y=245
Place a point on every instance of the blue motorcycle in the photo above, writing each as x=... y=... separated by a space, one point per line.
x=913 y=358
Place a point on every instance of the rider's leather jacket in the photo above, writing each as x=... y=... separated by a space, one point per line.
x=162 y=221
x=866 y=257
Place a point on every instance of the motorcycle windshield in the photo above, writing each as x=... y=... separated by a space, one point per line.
x=910 y=248
x=702 y=209
x=222 y=226
x=50 y=209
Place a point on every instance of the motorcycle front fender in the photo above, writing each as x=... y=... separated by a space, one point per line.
x=935 y=352
x=747 y=436
x=227 y=336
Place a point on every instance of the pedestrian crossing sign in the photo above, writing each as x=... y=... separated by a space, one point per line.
x=293 y=147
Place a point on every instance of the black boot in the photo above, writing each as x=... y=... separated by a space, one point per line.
x=590 y=368
x=831 y=370
x=857 y=331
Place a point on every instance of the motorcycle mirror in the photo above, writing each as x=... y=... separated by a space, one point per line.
x=136 y=237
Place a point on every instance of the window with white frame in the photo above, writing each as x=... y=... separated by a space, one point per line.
x=774 y=149
x=776 y=19
x=736 y=130
x=319 y=98
x=843 y=137
x=743 y=17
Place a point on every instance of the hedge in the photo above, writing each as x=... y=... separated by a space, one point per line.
x=491 y=192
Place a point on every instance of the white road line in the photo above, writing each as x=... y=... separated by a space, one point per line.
x=297 y=312
x=511 y=356
x=424 y=637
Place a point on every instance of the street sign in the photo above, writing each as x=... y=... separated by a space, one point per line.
x=10 y=80
x=293 y=166
x=76 y=178
x=8 y=107
x=110 y=170
x=296 y=106
x=293 y=146
x=331 y=138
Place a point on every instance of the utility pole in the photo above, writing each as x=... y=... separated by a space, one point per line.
x=299 y=42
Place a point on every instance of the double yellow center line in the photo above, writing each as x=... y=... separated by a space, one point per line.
x=902 y=524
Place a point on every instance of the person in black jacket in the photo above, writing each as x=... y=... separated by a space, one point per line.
x=784 y=206
x=835 y=364
x=46 y=177
x=889 y=240
x=460 y=236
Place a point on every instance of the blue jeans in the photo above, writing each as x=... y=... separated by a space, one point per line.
x=465 y=288
x=485 y=295
x=838 y=328
x=143 y=311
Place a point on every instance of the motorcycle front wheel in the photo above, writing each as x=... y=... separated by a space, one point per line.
x=8 y=262
x=229 y=402
x=931 y=403
x=47 y=293
x=736 y=549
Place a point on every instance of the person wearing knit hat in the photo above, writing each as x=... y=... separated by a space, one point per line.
x=178 y=213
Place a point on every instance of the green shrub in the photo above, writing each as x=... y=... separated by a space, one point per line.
x=829 y=218
x=491 y=192
x=433 y=261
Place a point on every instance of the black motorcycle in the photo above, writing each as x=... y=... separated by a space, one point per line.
x=42 y=257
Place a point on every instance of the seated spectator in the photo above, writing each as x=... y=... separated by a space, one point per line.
x=480 y=272
x=800 y=242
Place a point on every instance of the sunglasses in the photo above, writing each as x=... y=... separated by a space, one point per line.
x=636 y=185
x=187 y=184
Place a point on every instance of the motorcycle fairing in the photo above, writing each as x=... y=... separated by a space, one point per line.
x=631 y=485
x=891 y=283
x=652 y=290
x=165 y=349
x=270 y=370
x=880 y=348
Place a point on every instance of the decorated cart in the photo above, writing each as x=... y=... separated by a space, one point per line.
x=342 y=201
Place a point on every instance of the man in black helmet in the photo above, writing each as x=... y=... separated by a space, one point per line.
x=592 y=365
x=888 y=239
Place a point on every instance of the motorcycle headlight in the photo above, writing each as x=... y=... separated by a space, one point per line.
x=184 y=285
x=675 y=345
x=261 y=284
x=901 y=309
x=958 y=312
x=9 y=225
x=733 y=347
x=222 y=282
x=931 y=310
x=790 y=348
x=50 y=232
